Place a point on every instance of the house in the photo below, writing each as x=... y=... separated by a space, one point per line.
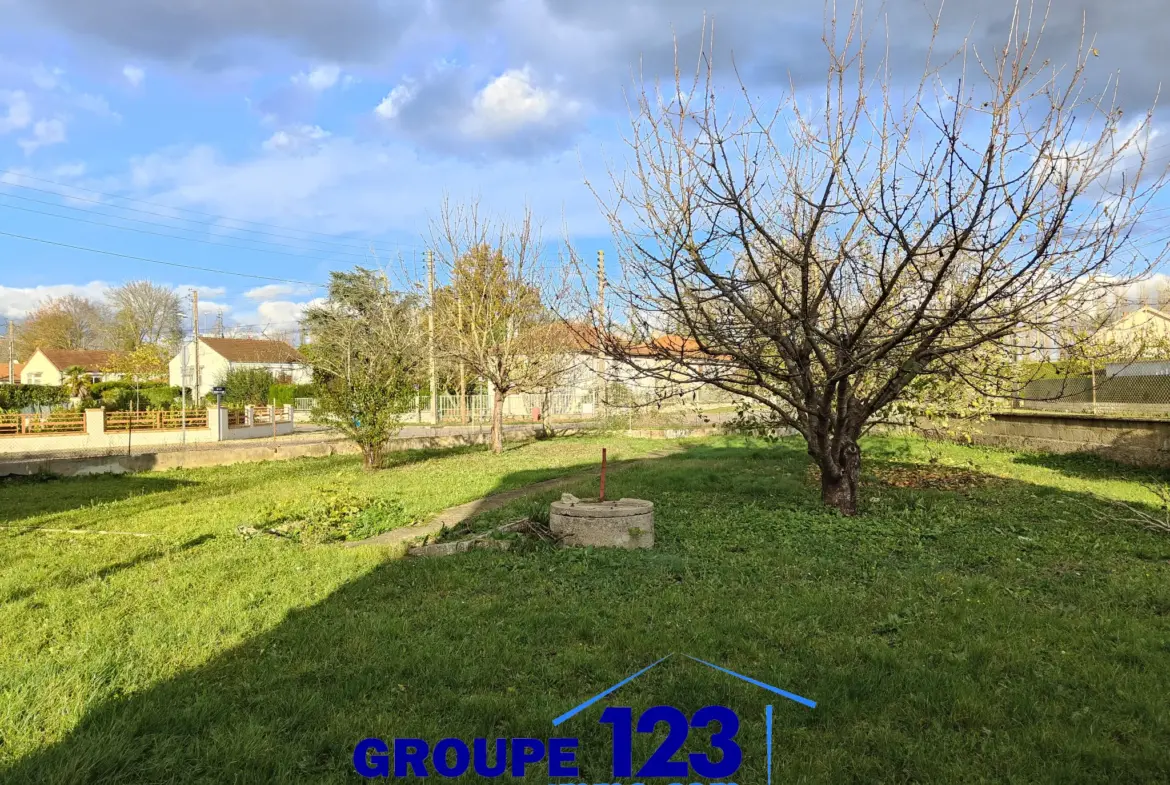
x=1146 y=324
x=16 y=369
x=48 y=366
x=218 y=356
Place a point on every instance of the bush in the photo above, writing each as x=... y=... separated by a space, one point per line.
x=286 y=394
x=332 y=515
x=14 y=397
x=243 y=386
x=117 y=399
x=96 y=390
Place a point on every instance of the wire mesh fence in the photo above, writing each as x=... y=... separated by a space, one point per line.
x=1101 y=393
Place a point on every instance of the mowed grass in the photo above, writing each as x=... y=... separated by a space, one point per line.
x=977 y=623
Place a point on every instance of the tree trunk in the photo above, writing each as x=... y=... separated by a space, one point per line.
x=498 y=423
x=371 y=456
x=840 y=484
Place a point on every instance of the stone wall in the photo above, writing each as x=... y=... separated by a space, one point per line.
x=1139 y=442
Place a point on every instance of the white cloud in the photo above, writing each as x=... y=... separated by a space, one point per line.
x=346 y=186
x=293 y=139
x=44 y=134
x=133 y=74
x=204 y=291
x=18 y=302
x=511 y=101
x=45 y=78
x=274 y=291
x=392 y=104
x=18 y=110
x=319 y=79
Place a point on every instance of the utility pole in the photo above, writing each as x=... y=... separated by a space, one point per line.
x=431 y=337
x=601 y=324
x=195 y=330
x=462 y=364
x=11 y=354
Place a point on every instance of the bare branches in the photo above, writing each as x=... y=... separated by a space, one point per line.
x=820 y=259
x=494 y=314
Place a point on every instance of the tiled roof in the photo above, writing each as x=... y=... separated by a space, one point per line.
x=92 y=360
x=253 y=350
x=16 y=371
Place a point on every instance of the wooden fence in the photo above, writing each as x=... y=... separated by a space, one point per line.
x=57 y=423
x=155 y=420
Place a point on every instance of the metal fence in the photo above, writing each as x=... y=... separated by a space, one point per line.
x=1147 y=396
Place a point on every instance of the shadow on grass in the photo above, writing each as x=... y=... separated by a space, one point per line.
x=49 y=495
x=487 y=645
x=1091 y=466
x=109 y=571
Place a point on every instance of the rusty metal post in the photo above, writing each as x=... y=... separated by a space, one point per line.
x=602 y=474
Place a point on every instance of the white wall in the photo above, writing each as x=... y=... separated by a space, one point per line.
x=213 y=367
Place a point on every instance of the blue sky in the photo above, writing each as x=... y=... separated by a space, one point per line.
x=284 y=138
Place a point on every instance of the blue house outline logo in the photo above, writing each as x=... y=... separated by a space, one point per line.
x=568 y=715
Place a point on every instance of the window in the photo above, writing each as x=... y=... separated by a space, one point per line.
x=34 y=378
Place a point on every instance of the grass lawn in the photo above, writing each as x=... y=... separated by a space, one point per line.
x=975 y=624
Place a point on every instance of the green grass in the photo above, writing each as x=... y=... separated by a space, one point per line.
x=999 y=632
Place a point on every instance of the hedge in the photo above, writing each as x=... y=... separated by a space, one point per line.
x=14 y=397
x=286 y=394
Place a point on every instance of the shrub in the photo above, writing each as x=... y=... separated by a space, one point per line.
x=14 y=397
x=332 y=515
x=286 y=394
x=243 y=386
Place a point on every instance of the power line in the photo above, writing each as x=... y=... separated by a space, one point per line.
x=159 y=261
x=168 y=236
x=152 y=204
x=202 y=227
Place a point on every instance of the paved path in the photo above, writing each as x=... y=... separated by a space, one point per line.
x=452 y=516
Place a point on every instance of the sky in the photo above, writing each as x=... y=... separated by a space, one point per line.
x=275 y=140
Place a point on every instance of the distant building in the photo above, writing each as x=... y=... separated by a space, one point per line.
x=1146 y=323
x=48 y=366
x=217 y=356
x=16 y=369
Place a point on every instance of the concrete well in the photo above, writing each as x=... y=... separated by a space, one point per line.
x=625 y=523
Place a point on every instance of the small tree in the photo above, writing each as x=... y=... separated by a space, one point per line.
x=367 y=353
x=494 y=313
x=244 y=386
x=77 y=380
x=145 y=363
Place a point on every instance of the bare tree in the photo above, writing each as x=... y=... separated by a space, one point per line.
x=145 y=313
x=69 y=322
x=495 y=313
x=820 y=254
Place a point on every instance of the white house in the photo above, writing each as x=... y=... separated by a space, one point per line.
x=217 y=356
x=48 y=366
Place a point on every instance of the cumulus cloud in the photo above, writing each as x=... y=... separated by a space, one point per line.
x=133 y=74
x=511 y=113
x=295 y=139
x=17 y=110
x=318 y=79
x=44 y=134
x=511 y=102
x=16 y=302
x=274 y=291
x=392 y=104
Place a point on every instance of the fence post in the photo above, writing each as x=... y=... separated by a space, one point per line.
x=249 y=415
x=288 y=413
x=217 y=422
x=95 y=422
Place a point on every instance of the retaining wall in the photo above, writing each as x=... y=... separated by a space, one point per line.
x=222 y=456
x=1134 y=441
